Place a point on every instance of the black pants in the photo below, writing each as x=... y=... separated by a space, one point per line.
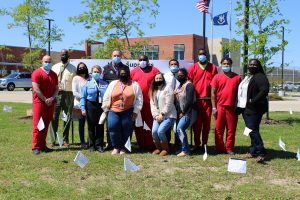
x=96 y=130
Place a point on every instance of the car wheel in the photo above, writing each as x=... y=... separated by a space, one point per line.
x=10 y=87
x=26 y=89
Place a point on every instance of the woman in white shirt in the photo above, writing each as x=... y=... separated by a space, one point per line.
x=78 y=82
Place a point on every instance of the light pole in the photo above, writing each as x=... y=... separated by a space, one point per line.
x=282 y=57
x=49 y=34
x=246 y=39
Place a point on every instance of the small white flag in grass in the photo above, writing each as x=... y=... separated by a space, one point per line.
x=60 y=141
x=128 y=144
x=291 y=112
x=64 y=117
x=81 y=159
x=247 y=131
x=7 y=108
x=41 y=124
x=146 y=127
x=298 y=155
x=205 y=153
x=237 y=165
x=130 y=166
x=102 y=118
x=282 y=144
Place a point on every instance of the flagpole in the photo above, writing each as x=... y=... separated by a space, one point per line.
x=204 y=14
x=212 y=31
x=230 y=3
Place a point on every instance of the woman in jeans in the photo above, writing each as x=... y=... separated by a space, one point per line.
x=252 y=103
x=184 y=99
x=123 y=101
x=77 y=84
x=90 y=104
x=163 y=111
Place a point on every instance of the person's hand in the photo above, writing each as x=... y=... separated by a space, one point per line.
x=159 y=118
x=49 y=101
x=214 y=112
x=133 y=116
x=83 y=112
x=180 y=115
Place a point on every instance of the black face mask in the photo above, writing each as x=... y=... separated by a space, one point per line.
x=64 y=59
x=82 y=71
x=158 y=83
x=253 y=70
x=181 y=79
x=124 y=78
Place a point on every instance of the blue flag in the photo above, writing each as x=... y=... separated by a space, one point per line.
x=221 y=19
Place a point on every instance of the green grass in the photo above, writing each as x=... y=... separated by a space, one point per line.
x=55 y=176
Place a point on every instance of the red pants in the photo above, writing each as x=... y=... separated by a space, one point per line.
x=143 y=137
x=202 y=123
x=39 y=137
x=226 y=117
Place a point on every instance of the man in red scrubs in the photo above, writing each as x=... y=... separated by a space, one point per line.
x=144 y=74
x=44 y=91
x=224 y=87
x=201 y=73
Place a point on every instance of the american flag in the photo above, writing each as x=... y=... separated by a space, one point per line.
x=203 y=5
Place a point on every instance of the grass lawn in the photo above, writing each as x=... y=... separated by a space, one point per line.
x=55 y=176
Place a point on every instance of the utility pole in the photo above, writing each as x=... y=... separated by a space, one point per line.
x=246 y=40
x=49 y=34
x=282 y=57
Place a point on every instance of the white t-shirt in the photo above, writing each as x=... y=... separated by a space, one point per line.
x=242 y=92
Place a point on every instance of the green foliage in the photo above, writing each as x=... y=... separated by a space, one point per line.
x=116 y=18
x=265 y=22
x=31 y=60
x=110 y=45
x=231 y=46
x=5 y=53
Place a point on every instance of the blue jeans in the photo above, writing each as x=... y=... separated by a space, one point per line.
x=252 y=121
x=159 y=129
x=182 y=124
x=81 y=123
x=120 y=127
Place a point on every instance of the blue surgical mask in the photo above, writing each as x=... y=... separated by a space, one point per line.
x=202 y=58
x=96 y=76
x=226 y=68
x=174 y=69
x=47 y=66
x=117 y=59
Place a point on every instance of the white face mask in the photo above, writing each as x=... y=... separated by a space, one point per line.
x=143 y=64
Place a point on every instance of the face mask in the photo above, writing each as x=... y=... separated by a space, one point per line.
x=174 y=69
x=82 y=71
x=253 y=70
x=158 y=83
x=181 y=79
x=226 y=69
x=116 y=59
x=202 y=58
x=143 y=64
x=96 y=76
x=123 y=78
x=64 y=59
x=47 y=66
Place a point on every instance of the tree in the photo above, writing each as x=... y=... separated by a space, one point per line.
x=31 y=15
x=264 y=32
x=115 y=19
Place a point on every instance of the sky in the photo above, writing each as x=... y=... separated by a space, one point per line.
x=175 y=17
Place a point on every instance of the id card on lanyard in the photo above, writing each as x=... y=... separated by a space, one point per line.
x=123 y=86
x=98 y=91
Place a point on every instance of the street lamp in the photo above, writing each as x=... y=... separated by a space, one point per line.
x=282 y=57
x=49 y=34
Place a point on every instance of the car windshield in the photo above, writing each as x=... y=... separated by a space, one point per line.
x=13 y=75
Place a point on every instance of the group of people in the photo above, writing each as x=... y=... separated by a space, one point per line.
x=150 y=103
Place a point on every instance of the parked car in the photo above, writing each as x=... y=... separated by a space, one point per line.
x=288 y=86
x=296 y=87
x=16 y=80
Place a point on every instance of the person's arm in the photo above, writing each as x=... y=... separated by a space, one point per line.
x=83 y=99
x=189 y=98
x=75 y=89
x=37 y=90
x=213 y=101
x=263 y=87
x=169 y=96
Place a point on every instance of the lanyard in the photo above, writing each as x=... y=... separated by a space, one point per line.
x=123 y=86
x=61 y=73
x=98 y=89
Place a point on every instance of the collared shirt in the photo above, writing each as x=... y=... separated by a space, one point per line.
x=89 y=91
x=171 y=80
x=65 y=74
x=242 y=92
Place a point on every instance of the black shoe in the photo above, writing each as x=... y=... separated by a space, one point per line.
x=47 y=150
x=100 y=149
x=84 y=146
x=108 y=148
x=92 y=149
x=196 y=150
x=36 y=152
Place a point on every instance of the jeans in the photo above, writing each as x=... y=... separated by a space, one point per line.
x=81 y=123
x=182 y=124
x=159 y=129
x=252 y=121
x=120 y=127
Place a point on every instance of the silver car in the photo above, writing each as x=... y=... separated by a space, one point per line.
x=16 y=80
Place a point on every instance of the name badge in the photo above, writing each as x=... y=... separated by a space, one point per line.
x=122 y=105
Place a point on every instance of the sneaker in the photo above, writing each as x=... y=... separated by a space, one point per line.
x=156 y=152
x=36 y=151
x=47 y=150
x=182 y=154
x=115 y=152
x=100 y=149
x=230 y=153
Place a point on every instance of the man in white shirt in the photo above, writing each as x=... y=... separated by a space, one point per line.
x=65 y=72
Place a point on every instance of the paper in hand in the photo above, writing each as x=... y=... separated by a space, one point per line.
x=247 y=131
x=237 y=165
x=41 y=124
x=130 y=166
x=81 y=159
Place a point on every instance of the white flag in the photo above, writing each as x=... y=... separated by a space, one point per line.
x=291 y=112
x=64 y=117
x=282 y=145
x=41 y=124
x=247 y=131
x=130 y=166
x=128 y=144
x=237 y=165
x=298 y=155
x=7 y=108
x=102 y=118
x=60 y=141
x=205 y=153
x=146 y=127
x=81 y=159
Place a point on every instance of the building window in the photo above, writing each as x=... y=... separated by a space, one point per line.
x=179 y=51
x=152 y=51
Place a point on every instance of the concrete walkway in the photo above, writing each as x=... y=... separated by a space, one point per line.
x=26 y=97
